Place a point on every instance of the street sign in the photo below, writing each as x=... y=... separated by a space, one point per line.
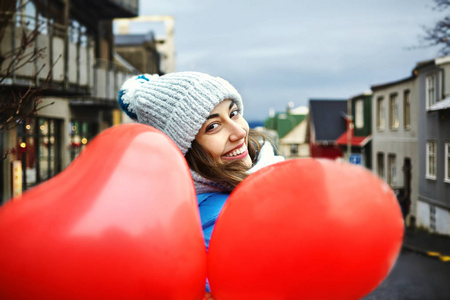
x=356 y=159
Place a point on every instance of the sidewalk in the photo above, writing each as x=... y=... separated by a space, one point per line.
x=423 y=242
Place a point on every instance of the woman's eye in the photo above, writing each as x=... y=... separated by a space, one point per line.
x=211 y=127
x=234 y=113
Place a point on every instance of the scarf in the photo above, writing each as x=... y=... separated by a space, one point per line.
x=265 y=158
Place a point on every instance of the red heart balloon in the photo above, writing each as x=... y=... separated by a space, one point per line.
x=305 y=229
x=121 y=222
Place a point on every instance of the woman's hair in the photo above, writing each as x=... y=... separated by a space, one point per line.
x=229 y=173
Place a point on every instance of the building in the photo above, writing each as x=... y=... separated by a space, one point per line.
x=84 y=78
x=394 y=138
x=356 y=140
x=164 y=45
x=433 y=205
x=140 y=51
x=326 y=123
x=294 y=143
x=288 y=130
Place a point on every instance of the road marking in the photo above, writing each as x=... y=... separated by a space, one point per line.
x=438 y=255
x=444 y=258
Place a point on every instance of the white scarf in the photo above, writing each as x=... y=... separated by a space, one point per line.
x=265 y=158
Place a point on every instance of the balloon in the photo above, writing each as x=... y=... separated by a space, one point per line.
x=305 y=229
x=121 y=222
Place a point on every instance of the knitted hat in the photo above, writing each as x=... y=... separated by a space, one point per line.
x=176 y=103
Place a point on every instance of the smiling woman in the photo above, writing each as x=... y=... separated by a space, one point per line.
x=221 y=150
x=203 y=115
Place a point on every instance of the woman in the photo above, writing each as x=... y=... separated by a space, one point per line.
x=203 y=115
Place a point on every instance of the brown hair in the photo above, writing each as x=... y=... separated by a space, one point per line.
x=228 y=173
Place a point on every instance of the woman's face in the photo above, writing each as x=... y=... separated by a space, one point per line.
x=225 y=134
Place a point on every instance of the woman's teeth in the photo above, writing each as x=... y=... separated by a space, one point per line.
x=237 y=151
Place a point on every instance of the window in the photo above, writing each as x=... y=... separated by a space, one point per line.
x=74 y=31
x=29 y=17
x=359 y=114
x=431 y=160
x=39 y=150
x=430 y=90
x=380 y=113
x=406 y=109
x=447 y=163
x=294 y=149
x=393 y=111
x=380 y=164
x=392 y=169
x=80 y=134
x=40 y=15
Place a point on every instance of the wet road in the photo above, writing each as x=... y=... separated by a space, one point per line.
x=415 y=277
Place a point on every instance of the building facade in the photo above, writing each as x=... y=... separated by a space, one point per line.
x=163 y=43
x=394 y=139
x=294 y=144
x=140 y=51
x=326 y=123
x=83 y=81
x=356 y=142
x=433 y=206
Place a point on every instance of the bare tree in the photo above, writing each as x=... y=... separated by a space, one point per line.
x=439 y=35
x=17 y=103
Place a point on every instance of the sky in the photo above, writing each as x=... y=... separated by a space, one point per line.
x=279 y=51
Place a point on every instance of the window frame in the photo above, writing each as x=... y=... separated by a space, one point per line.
x=81 y=132
x=392 y=169
x=294 y=150
x=393 y=112
x=407 y=109
x=447 y=162
x=430 y=90
x=359 y=113
x=430 y=156
x=380 y=165
x=41 y=156
x=381 y=114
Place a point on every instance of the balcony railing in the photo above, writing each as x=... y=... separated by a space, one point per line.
x=71 y=64
x=109 y=9
x=108 y=78
x=131 y=5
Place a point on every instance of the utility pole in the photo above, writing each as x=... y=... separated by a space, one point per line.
x=349 y=128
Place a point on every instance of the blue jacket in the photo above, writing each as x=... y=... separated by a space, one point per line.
x=210 y=205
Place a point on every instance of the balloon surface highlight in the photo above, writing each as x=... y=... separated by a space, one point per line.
x=305 y=229
x=120 y=222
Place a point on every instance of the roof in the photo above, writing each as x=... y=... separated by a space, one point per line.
x=360 y=141
x=283 y=123
x=389 y=84
x=425 y=63
x=125 y=63
x=296 y=135
x=301 y=110
x=327 y=120
x=132 y=39
x=440 y=105
x=363 y=94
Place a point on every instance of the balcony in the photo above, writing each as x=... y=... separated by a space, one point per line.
x=75 y=72
x=109 y=9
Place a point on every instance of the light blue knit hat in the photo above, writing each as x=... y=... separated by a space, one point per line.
x=176 y=103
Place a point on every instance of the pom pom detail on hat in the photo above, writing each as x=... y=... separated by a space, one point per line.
x=127 y=98
x=176 y=103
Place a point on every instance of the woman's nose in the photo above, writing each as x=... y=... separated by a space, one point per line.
x=236 y=132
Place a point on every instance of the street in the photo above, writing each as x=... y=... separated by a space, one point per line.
x=415 y=276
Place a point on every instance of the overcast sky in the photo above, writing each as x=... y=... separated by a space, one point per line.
x=279 y=51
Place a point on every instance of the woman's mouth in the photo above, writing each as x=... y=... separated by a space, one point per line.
x=237 y=153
